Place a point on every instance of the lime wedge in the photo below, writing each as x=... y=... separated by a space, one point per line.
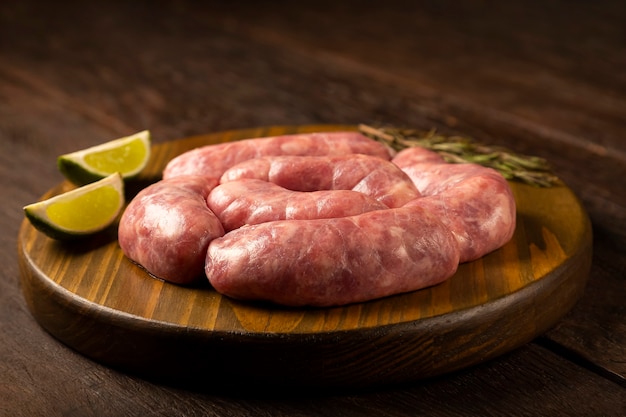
x=81 y=211
x=127 y=155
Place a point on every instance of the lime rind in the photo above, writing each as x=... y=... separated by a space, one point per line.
x=38 y=213
x=94 y=163
x=76 y=173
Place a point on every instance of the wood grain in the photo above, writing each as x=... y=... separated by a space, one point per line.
x=96 y=301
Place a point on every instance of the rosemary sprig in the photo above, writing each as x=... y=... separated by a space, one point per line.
x=459 y=149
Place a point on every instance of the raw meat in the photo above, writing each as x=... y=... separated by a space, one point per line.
x=213 y=160
x=316 y=219
x=369 y=175
x=167 y=228
x=475 y=202
x=251 y=201
x=333 y=261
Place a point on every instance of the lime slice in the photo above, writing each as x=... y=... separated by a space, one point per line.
x=81 y=211
x=128 y=156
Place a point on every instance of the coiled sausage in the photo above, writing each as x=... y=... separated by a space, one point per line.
x=403 y=232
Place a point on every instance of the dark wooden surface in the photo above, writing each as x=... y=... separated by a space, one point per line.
x=547 y=79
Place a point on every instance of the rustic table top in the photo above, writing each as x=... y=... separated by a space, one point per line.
x=546 y=79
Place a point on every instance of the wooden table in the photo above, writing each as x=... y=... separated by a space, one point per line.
x=546 y=79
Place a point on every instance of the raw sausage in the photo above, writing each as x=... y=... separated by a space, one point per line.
x=369 y=175
x=333 y=261
x=475 y=202
x=167 y=228
x=316 y=219
x=213 y=160
x=251 y=201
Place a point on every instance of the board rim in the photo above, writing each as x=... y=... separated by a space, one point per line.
x=97 y=318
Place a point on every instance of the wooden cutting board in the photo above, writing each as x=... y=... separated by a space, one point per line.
x=90 y=297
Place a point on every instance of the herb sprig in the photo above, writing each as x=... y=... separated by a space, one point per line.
x=531 y=170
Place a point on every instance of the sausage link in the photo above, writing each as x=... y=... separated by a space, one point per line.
x=167 y=228
x=251 y=201
x=213 y=160
x=333 y=261
x=369 y=175
x=475 y=202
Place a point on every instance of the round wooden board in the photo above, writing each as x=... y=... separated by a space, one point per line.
x=92 y=298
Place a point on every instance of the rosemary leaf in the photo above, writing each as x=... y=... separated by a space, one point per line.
x=531 y=170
